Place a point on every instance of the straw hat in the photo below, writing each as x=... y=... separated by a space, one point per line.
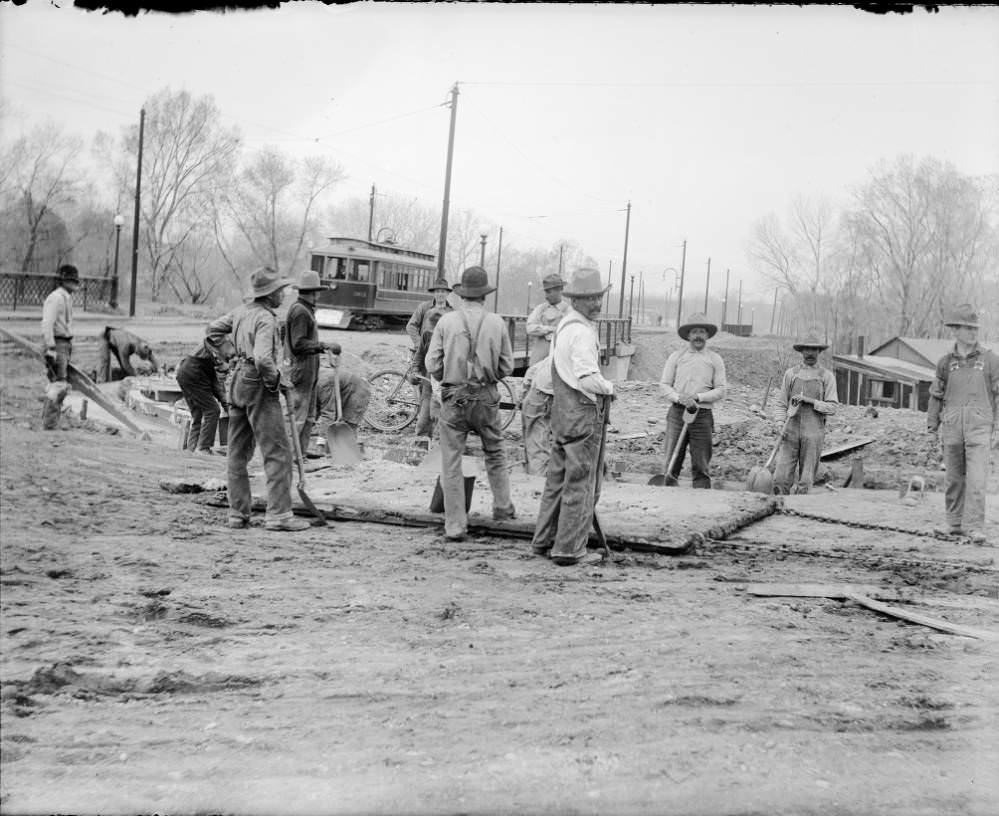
x=308 y=281
x=585 y=282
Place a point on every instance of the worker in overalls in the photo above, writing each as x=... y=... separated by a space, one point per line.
x=420 y=329
x=808 y=395
x=543 y=319
x=964 y=402
x=470 y=351
x=255 y=415
x=572 y=481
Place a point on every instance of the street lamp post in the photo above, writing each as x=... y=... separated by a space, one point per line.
x=119 y=221
x=529 y=285
x=482 y=250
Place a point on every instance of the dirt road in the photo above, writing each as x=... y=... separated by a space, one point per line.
x=154 y=661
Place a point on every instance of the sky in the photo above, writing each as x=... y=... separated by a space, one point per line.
x=706 y=118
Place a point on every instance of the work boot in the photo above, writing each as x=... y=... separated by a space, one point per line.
x=541 y=549
x=948 y=532
x=237 y=523
x=288 y=525
x=977 y=537
x=588 y=560
x=463 y=536
x=504 y=514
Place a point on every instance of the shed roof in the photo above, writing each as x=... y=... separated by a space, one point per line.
x=889 y=367
x=929 y=348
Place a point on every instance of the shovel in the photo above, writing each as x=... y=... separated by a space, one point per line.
x=341 y=443
x=666 y=479
x=296 y=446
x=761 y=478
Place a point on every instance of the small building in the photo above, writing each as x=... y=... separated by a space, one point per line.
x=897 y=374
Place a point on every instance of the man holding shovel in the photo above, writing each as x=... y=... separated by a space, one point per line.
x=580 y=402
x=255 y=416
x=807 y=395
x=302 y=348
x=420 y=329
x=693 y=380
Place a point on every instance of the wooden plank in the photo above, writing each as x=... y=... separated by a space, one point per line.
x=925 y=620
x=78 y=380
x=845 y=447
x=833 y=591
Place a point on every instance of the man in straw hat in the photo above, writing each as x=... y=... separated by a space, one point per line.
x=302 y=348
x=57 y=334
x=469 y=353
x=807 y=395
x=693 y=379
x=420 y=328
x=255 y=416
x=543 y=319
x=964 y=402
x=577 y=417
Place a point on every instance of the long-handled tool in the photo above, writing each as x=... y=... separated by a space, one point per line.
x=597 y=528
x=761 y=478
x=668 y=479
x=296 y=446
x=341 y=442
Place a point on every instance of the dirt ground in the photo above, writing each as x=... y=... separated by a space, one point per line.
x=153 y=661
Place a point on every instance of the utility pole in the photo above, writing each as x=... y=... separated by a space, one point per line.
x=773 y=312
x=738 y=319
x=371 y=212
x=631 y=297
x=499 y=255
x=610 y=266
x=482 y=251
x=442 y=247
x=624 y=261
x=135 y=221
x=561 y=247
x=679 y=300
x=725 y=301
x=707 y=285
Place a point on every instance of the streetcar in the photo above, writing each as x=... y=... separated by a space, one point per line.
x=370 y=285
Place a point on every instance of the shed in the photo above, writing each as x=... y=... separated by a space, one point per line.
x=882 y=381
x=923 y=351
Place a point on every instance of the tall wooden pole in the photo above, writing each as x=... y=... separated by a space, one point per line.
x=707 y=285
x=499 y=255
x=773 y=312
x=679 y=299
x=442 y=246
x=725 y=301
x=371 y=212
x=624 y=261
x=135 y=220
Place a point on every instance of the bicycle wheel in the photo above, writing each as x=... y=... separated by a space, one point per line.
x=507 y=405
x=395 y=401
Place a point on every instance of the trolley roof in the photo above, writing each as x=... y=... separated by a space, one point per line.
x=347 y=247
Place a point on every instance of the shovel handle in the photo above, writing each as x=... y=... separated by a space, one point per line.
x=334 y=361
x=780 y=438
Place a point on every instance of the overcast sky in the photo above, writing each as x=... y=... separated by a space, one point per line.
x=704 y=117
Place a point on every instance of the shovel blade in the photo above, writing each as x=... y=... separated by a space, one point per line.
x=760 y=480
x=341 y=444
x=318 y=515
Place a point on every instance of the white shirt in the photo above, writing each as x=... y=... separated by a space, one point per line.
x=576 y=356
x=57 y=316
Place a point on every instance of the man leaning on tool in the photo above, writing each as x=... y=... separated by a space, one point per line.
x=541 y=322
x=570 y=495
x=469 y=353
x=693 y=377
x=420 y=328
x=302 y=348
x=57 y=334
x=808 y=395
x=964 y=405
x=123 y=344
x=255 y=416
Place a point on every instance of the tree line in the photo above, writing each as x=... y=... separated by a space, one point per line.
x=906 y=244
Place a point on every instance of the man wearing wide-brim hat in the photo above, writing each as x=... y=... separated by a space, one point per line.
x=302 y=348
x=57 y=334
x=253 y=392
x=806 y=396
x=693 y=380
x=964 y=407
x=469 y=353
x=580 y=401
x=543 y=319
x=420 y=328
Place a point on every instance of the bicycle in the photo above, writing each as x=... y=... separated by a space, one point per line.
x=395 y=399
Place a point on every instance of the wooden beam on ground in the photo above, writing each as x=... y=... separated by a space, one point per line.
x=925 y=620
x=837 y=592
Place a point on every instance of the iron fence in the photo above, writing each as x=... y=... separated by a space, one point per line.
x=31 y=290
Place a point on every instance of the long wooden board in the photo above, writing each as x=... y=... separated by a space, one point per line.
x=78 y=380
x=925 y=620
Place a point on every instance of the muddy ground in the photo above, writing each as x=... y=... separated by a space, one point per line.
x=154 y=661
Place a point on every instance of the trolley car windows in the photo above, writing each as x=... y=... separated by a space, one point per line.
x=402 y=281
x=317 y=264
x=359 y=271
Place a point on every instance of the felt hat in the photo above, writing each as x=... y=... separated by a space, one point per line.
x=474 y=283
x=265 y=280
x=439 y=285
x=552 y=282
x=697 y=321
x=308 y=281
x=585 y=282
x=810 y=340
x=68 y=272
x=963 y=315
